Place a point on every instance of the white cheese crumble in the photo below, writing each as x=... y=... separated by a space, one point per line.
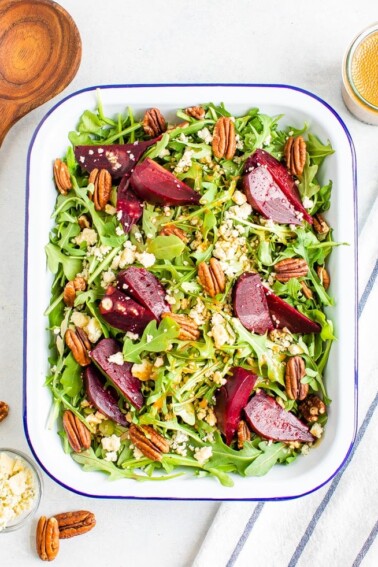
x=307 y=203
x=205 y=135
x=147 y=260
x=87 y=235
x=202 y=455
x=116 y=358
x=239 y=198
x=142 y=371
x=17 y=488
x=185 y=162
x=93 y=330
x=316 y=430
x=111 y=443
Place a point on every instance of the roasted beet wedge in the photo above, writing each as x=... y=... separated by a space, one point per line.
x=268 y=419
x=250 y=304
x=119 y=374
x=231 y=399
x=144 y=288
x=104 y=399
x=284 y=315
x=128 y=204
x=118 y=159
x=154 y=184
x=265 y=196
x=123 y=313
x=281 y=176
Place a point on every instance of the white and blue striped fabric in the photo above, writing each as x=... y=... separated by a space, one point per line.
x=336 y=525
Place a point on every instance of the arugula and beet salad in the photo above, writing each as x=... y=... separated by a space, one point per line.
x=187 y=315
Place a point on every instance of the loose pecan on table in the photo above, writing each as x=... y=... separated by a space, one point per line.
x=290 y=268
x=4 y=410
x=78 y=342
x=47 y=538
x=78 y=434
x=195 y=112
x=154 y=122
x=148 y=441
x=295 y=154
x=224 y=139
x=62 y=176
x=75 y=523
x=188 y=328
x=102 y=182
x=243 y=433
x=212 y=277
x=312 y=408
x=295 y=371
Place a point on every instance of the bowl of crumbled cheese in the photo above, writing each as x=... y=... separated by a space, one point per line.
x=20 y=489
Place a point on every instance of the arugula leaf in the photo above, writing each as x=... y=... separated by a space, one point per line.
x=317 y=150
x=154 y=339
x=166 y=247
x=71 y=377
x=71 y=266
x=269 y=457
x=223 y=455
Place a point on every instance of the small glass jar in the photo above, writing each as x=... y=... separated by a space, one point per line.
x=26 y=512
x=360 y=76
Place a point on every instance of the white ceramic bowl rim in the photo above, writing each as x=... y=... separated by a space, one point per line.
x=224 y=494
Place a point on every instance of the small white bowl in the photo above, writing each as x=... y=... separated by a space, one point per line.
x=20 y=520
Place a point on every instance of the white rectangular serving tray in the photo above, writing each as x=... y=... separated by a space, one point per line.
x=49 y=141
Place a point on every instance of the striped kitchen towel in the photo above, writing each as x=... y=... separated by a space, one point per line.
x=336 y=525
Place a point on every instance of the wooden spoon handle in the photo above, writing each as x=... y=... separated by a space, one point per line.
x=40 y=52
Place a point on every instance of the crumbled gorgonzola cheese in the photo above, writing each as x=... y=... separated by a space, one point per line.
x=17 y=488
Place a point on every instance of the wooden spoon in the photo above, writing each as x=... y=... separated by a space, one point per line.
x=40 y=53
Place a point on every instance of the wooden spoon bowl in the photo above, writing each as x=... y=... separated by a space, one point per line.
x=40 y=53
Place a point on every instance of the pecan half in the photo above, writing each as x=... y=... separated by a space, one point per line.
x=323 y=276
x=62 y=176
x=154 y=122
x=306 y=290
x=290 y=268
x=77 y=341
x=295 y=154
x=78 y=435
x=212 y=277
x=170 y=229
x=243 y=433
x=195 y=112
x=4 y=410
x=102 y=181
x=188 y=328
x=148 y=441
x=75 y=523
x=69 y=293
x=312 y=408
x=295 y=371
x=320 y=225
x=224 y=139
x=47 y=538
x=84 y=222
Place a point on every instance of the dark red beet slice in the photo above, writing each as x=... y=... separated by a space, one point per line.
x=267 y=418
x=104 y=399
x=118 y=159
x=250 y=304
x=284 y=315
x=231 y=399
x=281 y=176
x=119 y=375
x=123 y=313
x=265 y=196
x=128 y=204
x=144 y=288
x=154 y=184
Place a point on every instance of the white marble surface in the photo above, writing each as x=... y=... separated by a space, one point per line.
x=175 y=41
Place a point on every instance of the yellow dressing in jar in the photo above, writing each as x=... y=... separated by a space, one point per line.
x=360 y=76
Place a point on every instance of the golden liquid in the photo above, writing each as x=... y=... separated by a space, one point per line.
x=364 y=68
